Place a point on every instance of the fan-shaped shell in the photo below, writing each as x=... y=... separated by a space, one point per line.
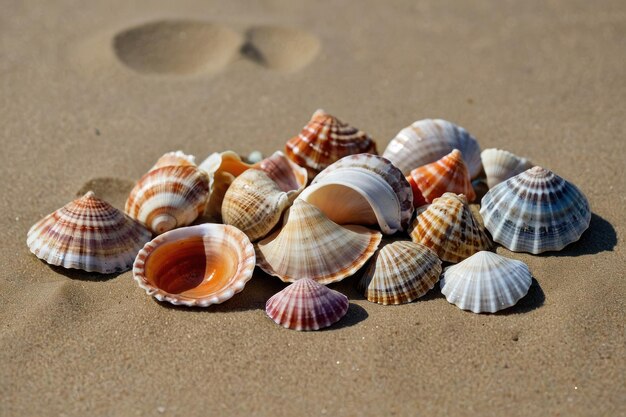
x=309 y=245
x=254 y=204
x=449 y=174
x=400 y=272
x=535 y=211
x=168 y=197
x=89 y=234
x=289 y=176
x=175 y=158
x=427 y=140
x=307 y=305
x=500 y=165
x=363 y=189
x=324 y=140
x=486 y=282
x=196 y=265
x=448 y=227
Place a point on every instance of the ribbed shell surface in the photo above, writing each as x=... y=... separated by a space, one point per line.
x=307 y=305
x=89 y=234
x=486 y=282
x=500 y=165
x=448 y=227
x=535 y=211
x=400 y=272
x=175 y=158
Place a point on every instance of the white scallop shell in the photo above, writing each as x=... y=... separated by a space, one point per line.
x=500 y=165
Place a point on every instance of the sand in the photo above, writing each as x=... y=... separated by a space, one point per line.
x=88 y=103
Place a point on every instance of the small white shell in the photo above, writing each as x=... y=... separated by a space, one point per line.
x=500 y=165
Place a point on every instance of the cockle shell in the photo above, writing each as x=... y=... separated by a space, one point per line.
x=500 y=165
x=178 y=158
x=254 y=204
x=363 y=189
x=89 y=234
x=486 y=282
x=196 y=265
x=289 y=176
x=400 y=272
x=448 y=227
x=309 y=245
x=449 y=174
x=535 y=211
x=307 y=305
x=428 y=140
x=324 y=140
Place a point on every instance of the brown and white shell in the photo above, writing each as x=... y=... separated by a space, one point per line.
x=290 y=177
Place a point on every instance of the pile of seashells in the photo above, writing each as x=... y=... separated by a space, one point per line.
x=317 y=214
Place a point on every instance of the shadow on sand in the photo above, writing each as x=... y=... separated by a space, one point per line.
x=531 y=301
x=599 y=237
x=80 y=275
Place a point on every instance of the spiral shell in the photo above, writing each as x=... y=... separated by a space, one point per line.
x=176 y=158
x=89 y=234
x=500 y=165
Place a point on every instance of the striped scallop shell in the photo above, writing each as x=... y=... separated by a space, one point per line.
x=535 y=211
x=196 y=265
x=448 y=227
x=254 y=204
x=309 y=245
x=449 y=174
x=400 y=272
x=363 y=189
x=427 y=140
x=178 y=158
x=324 y=140
x=89 y=234
x=307 y=305
x=500 y=165
x=168 y=197
x=486 y=282
x=289 y=176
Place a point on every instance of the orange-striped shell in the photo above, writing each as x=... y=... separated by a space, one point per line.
x=324 y=140
x=175 y=158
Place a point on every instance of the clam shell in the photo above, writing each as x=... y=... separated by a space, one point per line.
x=89 y=234
x=324 y=140
x=196 y=265
x=178 y=158
x=535 y=211
x=428 y=140
x=254 y=204
x=448 y=227
x=310 y=245
x=500 y=165
x=307 y=305
x=289 y=176
x=400 y=272
x=449 y=174
x=168 y=197
x=363 y=189
x=486 y=282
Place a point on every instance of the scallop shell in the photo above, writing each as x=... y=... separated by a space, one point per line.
x=324 y=140
x=178 y=158
x=449 y=174
x=168 y=197
x=500 y=165
x=363 y=189
x=309 y=245
x=427 y=140
x=448 y=227
x=486 y=282
x=254 y=204
x=400 y=272
x=307 y=305
x=196 y=265
x=289 y=176
x=89 y=234
x=535 y=211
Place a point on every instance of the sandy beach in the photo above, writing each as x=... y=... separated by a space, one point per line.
x=88 y=101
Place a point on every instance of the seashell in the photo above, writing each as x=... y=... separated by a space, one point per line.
x=363 y=189
x=306 y=305
x=501 y=165
x=535 y=211
x=400 y=272
x=254 y=204
x=324 y=140
x=89 y=234
x=196 y=265
x=178 y=158
x=486 y=282
x=168 y=197
x=254 y=157
x=309 y=245
x=288 y=175
x=427 y=140
x=449 y=174
x=448 y=227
